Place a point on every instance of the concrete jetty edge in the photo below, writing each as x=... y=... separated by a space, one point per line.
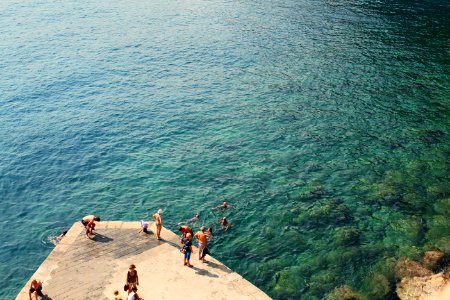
x=82 y=268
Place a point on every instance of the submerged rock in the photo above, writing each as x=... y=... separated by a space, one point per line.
x=406 y=268
x=344 y=293
x=432 y=259
x=427 y=287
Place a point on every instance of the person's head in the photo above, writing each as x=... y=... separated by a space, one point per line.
x=180 y=228
x=97 y=219
x=196 y=215
x=34 y=281
x=160 y=211
x=116 y=292
x=202 y=228
x=210 y=230
x=224 y=204
x=224 y=218
x=132 y=267
x=189 y=236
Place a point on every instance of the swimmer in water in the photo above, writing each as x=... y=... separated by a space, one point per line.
x=225 y=223
x=224 y=206
x=56 y=239
x=209 y=234
x=194 y=219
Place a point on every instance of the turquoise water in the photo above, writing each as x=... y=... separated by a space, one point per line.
x=325 y=122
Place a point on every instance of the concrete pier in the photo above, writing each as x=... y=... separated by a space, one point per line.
x=82 y=268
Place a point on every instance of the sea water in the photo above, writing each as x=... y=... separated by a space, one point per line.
x=325 y=122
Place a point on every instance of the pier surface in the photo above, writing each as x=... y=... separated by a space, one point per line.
x=82 y=268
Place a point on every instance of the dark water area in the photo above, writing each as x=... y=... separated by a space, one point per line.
x=325 y=122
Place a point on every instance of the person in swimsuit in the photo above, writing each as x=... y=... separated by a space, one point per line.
x=202 y=244
x=224 y=206
x=158 y=220
x=36 y=289
x=194 y=219
x=225 y=223
x=209 y=234
x=185 y=230
x=89 y=223
x=132 y=278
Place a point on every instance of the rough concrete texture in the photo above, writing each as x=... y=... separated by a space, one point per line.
x=81 y=268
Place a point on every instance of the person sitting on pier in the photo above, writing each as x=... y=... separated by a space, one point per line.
x=144 y=227
x=185 y=230
x=117 y=295
x=224 y=206
x=134 y=295
x=36 y=289
x=89 y=223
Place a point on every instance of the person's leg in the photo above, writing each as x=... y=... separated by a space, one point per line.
x=158 y=232
x=188 y=258
x=39 y=292
x=30 y=292
x=204 y=252
x=200 y=250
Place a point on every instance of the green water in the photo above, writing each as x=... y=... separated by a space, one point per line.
x=326 y=123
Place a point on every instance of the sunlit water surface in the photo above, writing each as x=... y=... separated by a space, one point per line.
x=325 y=122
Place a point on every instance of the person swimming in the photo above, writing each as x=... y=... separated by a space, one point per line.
x=225 y=223
x=56 y=239
x=223 y=206
x=194 y=219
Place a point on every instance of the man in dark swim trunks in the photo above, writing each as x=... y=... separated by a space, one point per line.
x=89 y=223
x=36 y=289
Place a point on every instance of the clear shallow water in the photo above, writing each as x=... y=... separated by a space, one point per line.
x=325 y=122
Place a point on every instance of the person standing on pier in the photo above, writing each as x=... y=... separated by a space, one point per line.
x=187 y=249
x=202 y=244
x=132 y=278
x=89 y=223
x=158 y=220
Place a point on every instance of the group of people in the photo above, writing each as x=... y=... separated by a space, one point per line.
x=187 y=234
x=202 y=236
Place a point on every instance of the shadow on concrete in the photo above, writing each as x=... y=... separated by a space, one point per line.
x=204 y=272
x=46 y=297
x=102 y=238
x=218 y=266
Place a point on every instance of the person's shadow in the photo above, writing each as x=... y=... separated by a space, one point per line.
x=204 y=272
x=46 y=297
x=101 y=238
